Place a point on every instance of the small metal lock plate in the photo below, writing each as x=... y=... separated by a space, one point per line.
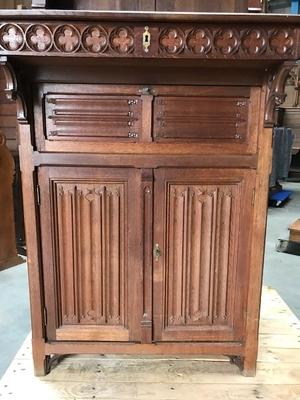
x=146 y=39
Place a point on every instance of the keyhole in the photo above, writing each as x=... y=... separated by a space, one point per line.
x=146 y=38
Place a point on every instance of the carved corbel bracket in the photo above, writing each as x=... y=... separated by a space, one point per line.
x=12 y=90
x=276 y=91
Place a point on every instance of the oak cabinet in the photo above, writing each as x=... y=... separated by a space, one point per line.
x=145 y=167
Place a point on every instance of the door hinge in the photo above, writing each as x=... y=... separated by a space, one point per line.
x=38 y=195
x=45 y=316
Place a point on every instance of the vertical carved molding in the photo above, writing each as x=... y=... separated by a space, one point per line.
x=222 y=259
x=177 y=254
x=202 y=208
x=276 y=91
x=147 y=213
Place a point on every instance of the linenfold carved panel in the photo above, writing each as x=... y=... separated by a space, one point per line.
x=194 y=118
x=89 y=116
x=90 y=224
x=201 y=224
x=182 y=40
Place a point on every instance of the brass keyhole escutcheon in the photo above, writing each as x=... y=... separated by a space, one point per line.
x=146 y=39
x=156 y=252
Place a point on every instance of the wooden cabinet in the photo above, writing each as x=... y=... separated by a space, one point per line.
x=145 y=148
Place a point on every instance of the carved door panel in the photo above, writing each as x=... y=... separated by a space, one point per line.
x=90 y=234
x=202 y=226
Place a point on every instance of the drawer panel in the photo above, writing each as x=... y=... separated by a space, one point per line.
x=92 y=116
x=201 y=118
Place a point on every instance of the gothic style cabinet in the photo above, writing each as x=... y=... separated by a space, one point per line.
x=145 y=147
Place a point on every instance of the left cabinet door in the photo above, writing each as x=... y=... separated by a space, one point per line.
x=90 y=231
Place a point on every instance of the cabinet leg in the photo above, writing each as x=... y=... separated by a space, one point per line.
x=41 y=364
x=249 y=367
x=246 y=365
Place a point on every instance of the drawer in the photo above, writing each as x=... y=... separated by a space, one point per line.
x=198 y=117
x=106 y=117
x=157 y=119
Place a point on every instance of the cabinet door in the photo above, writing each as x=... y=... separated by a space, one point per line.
x=202 y=228
x=90 y=243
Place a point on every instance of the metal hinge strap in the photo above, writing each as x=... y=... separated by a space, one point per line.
x=253 y=197
x=45 y=316
x=38 y=195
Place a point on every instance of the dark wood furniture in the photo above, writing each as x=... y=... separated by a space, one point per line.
x=8 y=127
x=8 y=251
x=145 y=155
x=156 y=5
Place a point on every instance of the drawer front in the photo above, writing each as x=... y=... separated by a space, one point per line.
x=92 y=117
x=197 y=118
x=157 y=119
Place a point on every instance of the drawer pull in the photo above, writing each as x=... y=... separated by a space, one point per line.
x=133 y=135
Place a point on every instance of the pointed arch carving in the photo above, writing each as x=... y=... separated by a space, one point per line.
x=276 y=91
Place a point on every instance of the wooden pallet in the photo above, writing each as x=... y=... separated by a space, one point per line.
x=173 y=378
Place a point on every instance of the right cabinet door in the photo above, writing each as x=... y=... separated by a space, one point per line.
x=202 y=233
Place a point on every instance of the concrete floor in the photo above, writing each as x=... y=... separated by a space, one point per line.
x=282 y=271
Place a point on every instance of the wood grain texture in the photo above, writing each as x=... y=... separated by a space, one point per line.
x=106 y=205
x=160 y=5
x=8 y=250
x=195 y=279
x=89 y=220
x=8 y=118
x=35 y=277
x=123 y=115
x=186 y=41
x=257 y=252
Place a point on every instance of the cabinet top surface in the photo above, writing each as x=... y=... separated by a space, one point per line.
x=140 y=16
